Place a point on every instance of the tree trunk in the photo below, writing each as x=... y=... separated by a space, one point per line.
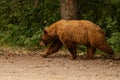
x=36 y=3
x=69 y=9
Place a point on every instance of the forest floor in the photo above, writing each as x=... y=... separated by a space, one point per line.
x=29 y=65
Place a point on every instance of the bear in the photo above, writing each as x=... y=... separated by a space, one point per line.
x=72 y=32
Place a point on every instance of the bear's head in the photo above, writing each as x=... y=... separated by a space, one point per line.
x=46 y=38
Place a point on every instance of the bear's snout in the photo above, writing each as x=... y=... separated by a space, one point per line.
x=42 y=43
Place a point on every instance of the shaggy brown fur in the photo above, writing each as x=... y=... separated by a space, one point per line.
x=72 y=32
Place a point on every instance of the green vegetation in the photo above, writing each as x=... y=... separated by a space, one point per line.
x=21 y=21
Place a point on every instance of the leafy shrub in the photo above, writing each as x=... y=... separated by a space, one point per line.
x=22 y=21
x=115 y=41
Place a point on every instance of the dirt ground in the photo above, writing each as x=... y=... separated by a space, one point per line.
x=18 y=65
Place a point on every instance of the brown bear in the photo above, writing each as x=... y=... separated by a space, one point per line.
x=73 y=32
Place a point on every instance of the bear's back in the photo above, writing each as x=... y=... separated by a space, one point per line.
x=73 y=26
x=78 y=24
x=78 y=30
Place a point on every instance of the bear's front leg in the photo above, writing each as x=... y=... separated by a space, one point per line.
x=72 y=48
x=55 y=46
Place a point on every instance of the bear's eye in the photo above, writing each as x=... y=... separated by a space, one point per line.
x=45 y=37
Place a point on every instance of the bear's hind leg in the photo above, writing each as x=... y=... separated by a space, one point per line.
x=90 y=52
x=107 y=49
x=55 y=46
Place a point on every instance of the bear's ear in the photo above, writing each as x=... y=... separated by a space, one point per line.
x=45 y=32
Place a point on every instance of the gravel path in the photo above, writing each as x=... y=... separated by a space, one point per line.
x=34 y=67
